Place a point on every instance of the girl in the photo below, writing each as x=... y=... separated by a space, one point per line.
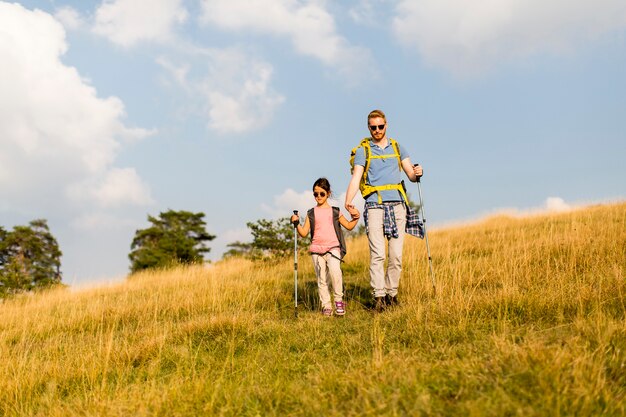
x=327 y=245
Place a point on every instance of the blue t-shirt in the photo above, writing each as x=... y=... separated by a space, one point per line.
x=382 y=171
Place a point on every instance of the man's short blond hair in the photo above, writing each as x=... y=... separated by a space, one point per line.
x=376 y=113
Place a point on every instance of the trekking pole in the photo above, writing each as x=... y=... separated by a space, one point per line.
x=430 y=259
x=295 y=263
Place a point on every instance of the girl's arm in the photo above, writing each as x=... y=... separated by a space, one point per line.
x=303 y=231
x=349 y=224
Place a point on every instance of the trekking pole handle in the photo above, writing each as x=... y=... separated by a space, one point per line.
x=296 y=222
x=418 y=178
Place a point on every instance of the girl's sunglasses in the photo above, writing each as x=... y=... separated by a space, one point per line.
x=373 y=127
x=321 y=194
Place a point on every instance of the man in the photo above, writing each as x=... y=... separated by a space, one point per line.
x=385 y=204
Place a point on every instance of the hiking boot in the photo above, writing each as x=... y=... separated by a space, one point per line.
x=379 y=304
x=391 y=301
x=340 y=308
x=327 y=311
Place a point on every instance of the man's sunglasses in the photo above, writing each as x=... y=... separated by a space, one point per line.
x=316 y=194
x=373 y=127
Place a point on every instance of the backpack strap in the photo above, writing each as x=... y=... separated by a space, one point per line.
x=311 y=215
x=396 y=148
x=396 y=153
x=367 y=189
x=338 y=231
x=365 y=143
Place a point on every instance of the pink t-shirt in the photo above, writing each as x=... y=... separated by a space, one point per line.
x=324 y=236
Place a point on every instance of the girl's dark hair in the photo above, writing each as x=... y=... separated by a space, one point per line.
x=323 y=184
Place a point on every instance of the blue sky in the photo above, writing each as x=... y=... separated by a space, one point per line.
x=113 y=110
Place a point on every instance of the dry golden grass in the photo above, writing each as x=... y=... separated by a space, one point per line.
x=529 y=318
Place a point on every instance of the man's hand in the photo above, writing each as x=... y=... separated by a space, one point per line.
x=412 y=171
x=418 y=171
x=354 y=213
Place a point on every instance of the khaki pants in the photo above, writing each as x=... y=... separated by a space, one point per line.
x=328 y=271
x=385 y=283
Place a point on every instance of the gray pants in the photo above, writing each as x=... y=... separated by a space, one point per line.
x=385 y=283
x=328 y=271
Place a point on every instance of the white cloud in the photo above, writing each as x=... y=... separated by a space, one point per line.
x=122 y=186
x=284 y=204
x=235 y=89
x=54 y=130
x=309 y=26
x=557 y=204
x=102 y=221
x=128 y=22
x=70 y=18
x=367 y=12
x=470 y=37
x=118 y=187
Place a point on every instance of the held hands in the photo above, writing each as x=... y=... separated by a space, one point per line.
x=354 y=213
x=295 y=220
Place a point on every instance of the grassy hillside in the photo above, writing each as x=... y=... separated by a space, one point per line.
x=529 y=319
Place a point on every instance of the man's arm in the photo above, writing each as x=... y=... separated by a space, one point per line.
x=353 y=187
x=413 y=172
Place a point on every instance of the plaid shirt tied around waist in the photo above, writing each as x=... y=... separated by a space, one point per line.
x=414 y=226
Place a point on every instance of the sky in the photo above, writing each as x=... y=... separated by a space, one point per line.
x=114 y=110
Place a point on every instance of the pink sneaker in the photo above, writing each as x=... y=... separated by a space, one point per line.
x=340 y=308
x=327 y=312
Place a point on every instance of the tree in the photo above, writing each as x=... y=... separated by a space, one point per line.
x=273 y=238
x=30 y=258
x=238 y=248
x=175 y=237
x=3 y=253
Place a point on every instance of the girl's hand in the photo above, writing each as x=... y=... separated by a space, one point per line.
x=295 y=220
